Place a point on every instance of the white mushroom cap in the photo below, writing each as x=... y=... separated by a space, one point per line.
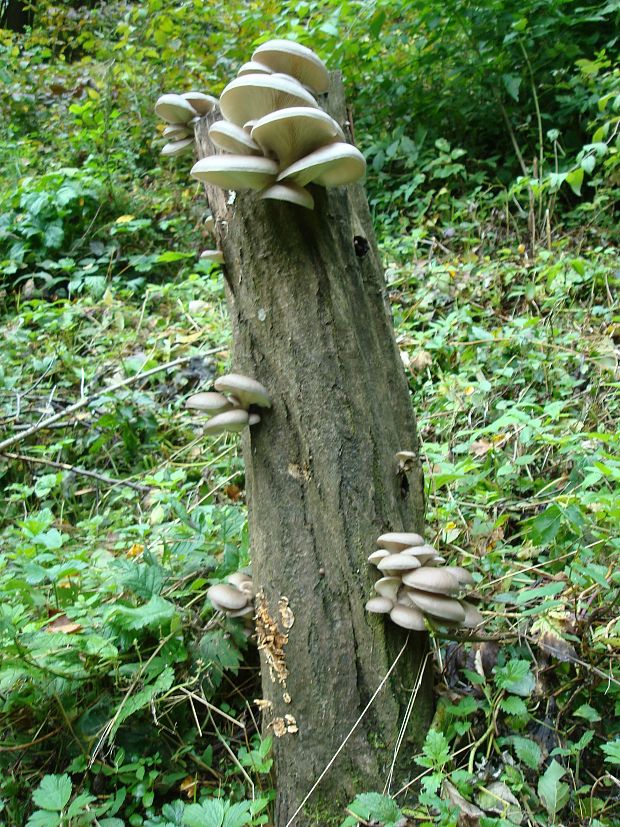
x=437 y=560
x=226 y=596
x=377 y=555
x=237 y=578
x=331 y=166
x=438 y=605
x=236 y=172
x=398 y=562
x=230 y=421
x=423 y=553
x=462 y=575
x=245 y=612
x=253 y=68
x=174 y=109
x=438 y=581
x=379 y=605
x=293 y=133
x=176 y=132
x=408 y=617
x=247 y=391
x=253 y=419
x=203 y=104
x=473 y=617
x=253 y=96
x=232 y=138
x=246 y=587
x=291 y=193
x=216 y=256
x=296 y=60
x=176 y=148
x=398 y=540
x=388 y=587
x=209 y=402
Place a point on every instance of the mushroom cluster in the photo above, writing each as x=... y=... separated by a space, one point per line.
x=180 y=112
x=231 y=407
x=274 y=136
x=235 y=597
x=415 y=585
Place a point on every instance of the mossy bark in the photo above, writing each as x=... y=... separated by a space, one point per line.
x=306 y=296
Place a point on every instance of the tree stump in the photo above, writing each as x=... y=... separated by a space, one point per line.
x=306 y=297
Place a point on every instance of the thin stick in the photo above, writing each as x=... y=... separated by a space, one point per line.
x=349 y=734
x=64 y=466
x=86 y=400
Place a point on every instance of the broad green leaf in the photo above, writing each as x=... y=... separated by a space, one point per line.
x=157 y=612
x=516 y=677
x=553 y=792
x=612 y=751
x=512 y=705
x=375 y=807
x=588 y=712
x=207 y=814
x=511 y=85
x=575 y=179
x=53 y=792
x=45 y=818
x=143 y=698
x=527 y=751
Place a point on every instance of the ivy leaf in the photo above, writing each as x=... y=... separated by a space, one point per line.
x=552 y=791
x=53 y=792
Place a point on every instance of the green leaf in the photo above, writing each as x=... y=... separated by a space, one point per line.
x=588 y=163
x=44 y=818
x=515 y=677
x=143 y=698
x=527 y=751
x=588 y=712
x=511 y=85
x=553 y=793
x=53 y=792
x=157 y=612
x=376 y=807
x=207 y=814
x=612 y=751
x=513 y=706
x=575 y=179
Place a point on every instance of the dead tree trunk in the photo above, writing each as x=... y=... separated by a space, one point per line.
x=310 y=321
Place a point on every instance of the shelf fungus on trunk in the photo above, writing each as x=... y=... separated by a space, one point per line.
x=416 y=589
x=279 y=136
x=232 y=406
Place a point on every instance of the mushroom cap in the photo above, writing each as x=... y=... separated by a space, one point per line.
x=408 y=617
x=210 y=402
x=379 y=605
x=176 y=148
x=202 y=103
x=462 y=575
x=291 y=193
x=398 y=562
x=438 y=605
x=174 y=109
x=330 y=166
x=253 y=419
x=236 y=172
x=217 y=256
x=247 y=587
x=438 y=581
x=252 y=96
x=388 y=587
x=398 y=540
x=176 y=132
x=423 y=553
x=247 y=391
x=377 y=555
x=227 y=596
x=252 y=67
x=233 y=421
x=296 y=60
x=237 y=578
x=245 y=612
x=233 y=138
x=292 y=133
x=403 y=456
x=437 y=560
x=473 y=617
x=209 y=225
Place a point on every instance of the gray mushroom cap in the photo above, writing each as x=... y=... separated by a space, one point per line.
x=174 y=109
x=237 y=578
x=252 y=67
x=291 y=193
x=398 y=540
x=209 y=402
x=462 y=575
x=388 y=587
x=216 y=256
x=423 y=553
x=293 y=133
x=438 y=605
x=236 y=172
x=245 y=612
x=233 y=421
x=175 y=148
x=203 y=104
x=473 y=617
x=253 y=419
x=296 y=60
x=438 y=581
x=330 y=166
x=247 y=391
x=252 y=96
x=379 y=605
x=176 y=132
x=233 y=138
x=396 y=563
x=227 y=596
x=378 y=555
x=408 y=617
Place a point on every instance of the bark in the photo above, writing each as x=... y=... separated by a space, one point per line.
x=306 y=297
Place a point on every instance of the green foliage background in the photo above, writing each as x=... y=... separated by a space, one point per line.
x=491 y=132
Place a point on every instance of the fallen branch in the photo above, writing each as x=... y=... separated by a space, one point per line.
x=86 y=400
x=64 y=466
